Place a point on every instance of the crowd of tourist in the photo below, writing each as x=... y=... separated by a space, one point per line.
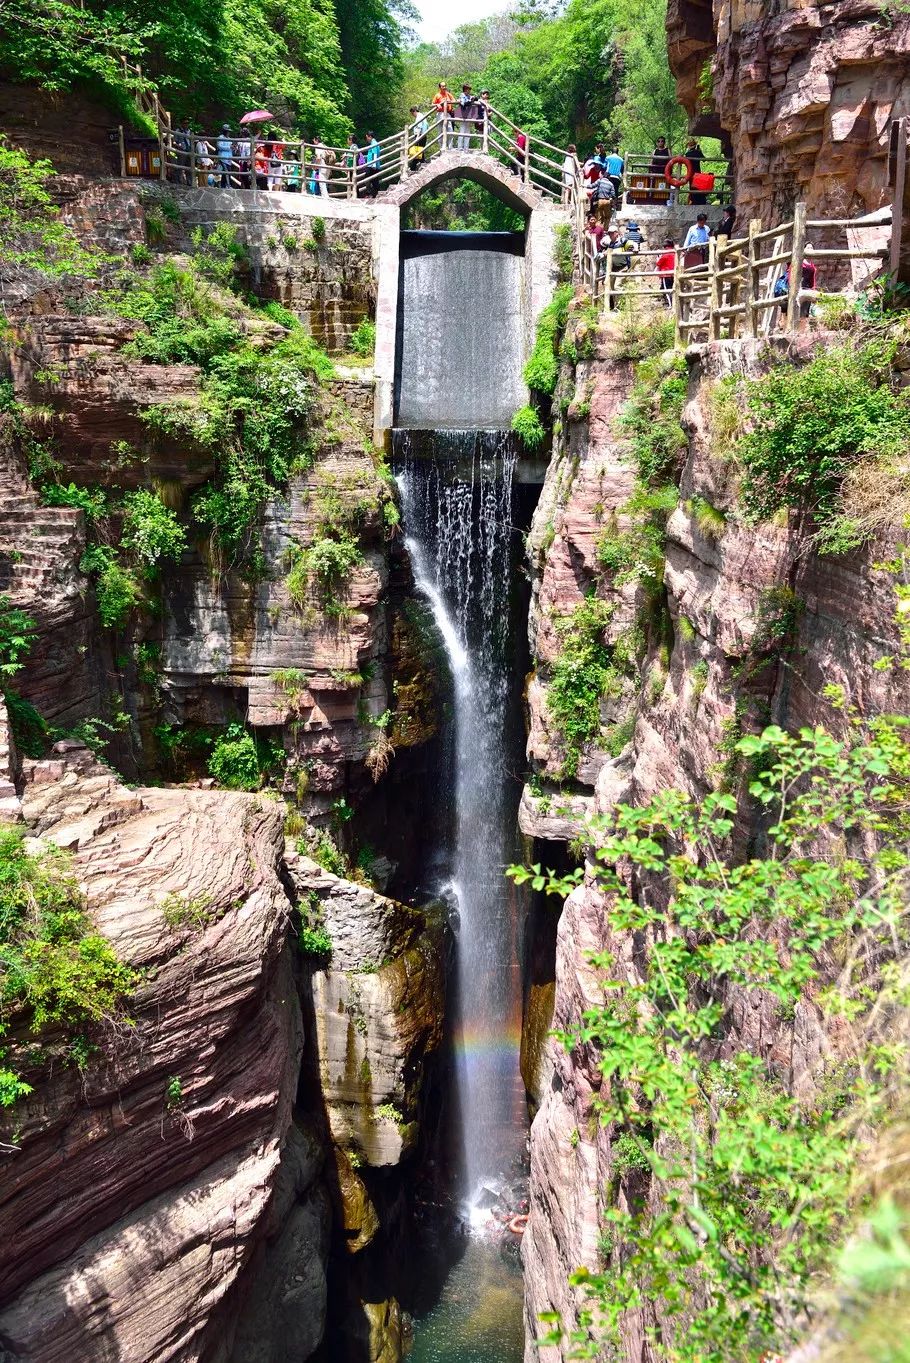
x=273 y=161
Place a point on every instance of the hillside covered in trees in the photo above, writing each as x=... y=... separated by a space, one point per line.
x=565 y=72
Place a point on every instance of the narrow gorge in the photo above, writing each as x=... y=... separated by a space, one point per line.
x=453 y=766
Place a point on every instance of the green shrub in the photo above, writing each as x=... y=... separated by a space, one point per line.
x=324 y=567
x=93 y=501
x=580 y=677
x=140 y=254
x=217 y=254
x=637 y=553
x=280 y=314
x=755 y=1183
x=17 y=635
x=711 y=523
x=151 y=532
x=314 y=942
x=810 y=423
x=182 y=912
x=652 y=417
x=53 y=966
x=619 y=736
x=699 y=678
x=641 y=335
x=320 y=846
x=116 y=588
x=563 y=253
x=527 y=425
x=31 y=731
x=542 y=369
x=34 y=240
x=317 y=228
x=363 y=341
x=629 y=1154
x=240 y=760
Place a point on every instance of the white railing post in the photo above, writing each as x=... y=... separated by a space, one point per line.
x=714 y=295
x=677 y=294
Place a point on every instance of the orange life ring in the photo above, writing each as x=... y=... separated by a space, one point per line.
x=517 y=1225
x=677 y=181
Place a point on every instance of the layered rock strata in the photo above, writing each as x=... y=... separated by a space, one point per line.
x=137 y=1189
x=803 y=94
x=721 y=675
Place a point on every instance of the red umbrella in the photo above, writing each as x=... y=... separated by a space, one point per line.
x=257 y=116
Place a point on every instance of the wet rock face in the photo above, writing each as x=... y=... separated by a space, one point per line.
x=128 y=1219
x=805 y=94
x=378 y=1009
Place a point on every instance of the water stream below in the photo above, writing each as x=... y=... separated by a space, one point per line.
x=458 y=517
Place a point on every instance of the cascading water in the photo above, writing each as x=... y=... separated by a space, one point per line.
x=458 y=518
x=458 y=375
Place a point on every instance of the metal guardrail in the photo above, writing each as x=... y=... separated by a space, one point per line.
x=731 y=290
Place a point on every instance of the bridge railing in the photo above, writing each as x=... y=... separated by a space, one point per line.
x=278 y=163
x=744 y=286
x=645 y=183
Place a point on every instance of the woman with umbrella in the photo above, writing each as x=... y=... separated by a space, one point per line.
x=250 y=120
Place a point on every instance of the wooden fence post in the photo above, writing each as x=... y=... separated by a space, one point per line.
x=121 y=147
x=714 y=296
x=796 y=266
x=608 y=283
x=752 y=273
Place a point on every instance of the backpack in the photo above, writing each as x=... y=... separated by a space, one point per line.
x=782 y=287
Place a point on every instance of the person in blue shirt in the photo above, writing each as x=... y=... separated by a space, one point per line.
x=225 y=149
x=698 y=233
x=698 y=236
x=372 y=166
x=615 y=166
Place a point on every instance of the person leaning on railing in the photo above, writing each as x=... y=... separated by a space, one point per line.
x=417 y=134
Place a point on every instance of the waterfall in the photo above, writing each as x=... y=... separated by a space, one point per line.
x=462 y=330
x=457 y=507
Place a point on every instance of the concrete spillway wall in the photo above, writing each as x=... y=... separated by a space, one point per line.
x=367 y=261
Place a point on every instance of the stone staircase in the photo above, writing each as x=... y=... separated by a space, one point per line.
x=39 y=546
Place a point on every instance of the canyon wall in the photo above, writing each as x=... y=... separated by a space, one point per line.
x=228 y=1177
x=803 y=95
x=709 y=673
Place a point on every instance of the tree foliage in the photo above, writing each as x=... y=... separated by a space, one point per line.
x=750 y=1182
x=313 y=63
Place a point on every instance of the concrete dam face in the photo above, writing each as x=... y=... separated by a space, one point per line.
x=461 y=330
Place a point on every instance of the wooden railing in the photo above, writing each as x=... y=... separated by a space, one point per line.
x=731 y=287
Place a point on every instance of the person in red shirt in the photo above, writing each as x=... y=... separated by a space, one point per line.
x=596 y=231
x=666 y=266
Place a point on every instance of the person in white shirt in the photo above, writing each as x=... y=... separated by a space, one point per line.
x=570 y=173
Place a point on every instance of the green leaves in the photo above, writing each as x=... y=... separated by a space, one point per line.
x=750 y=1187
x=809 y=423
x=17 y=635
x=33 y=240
